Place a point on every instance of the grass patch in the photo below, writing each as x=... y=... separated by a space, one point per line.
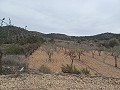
x=70 y=69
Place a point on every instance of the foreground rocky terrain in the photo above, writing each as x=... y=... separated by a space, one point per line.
x=57 y=82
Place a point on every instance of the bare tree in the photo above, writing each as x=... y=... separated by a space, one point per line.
x=49 y=48
x=72 y=55
x=80 y=50
x=92 y=49
x=25 y=27
x=116 y=53
x=2 y=21
x=71 y=52
x=10 y=22
x=100 y=49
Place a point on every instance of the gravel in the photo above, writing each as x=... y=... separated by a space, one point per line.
x=57 y=82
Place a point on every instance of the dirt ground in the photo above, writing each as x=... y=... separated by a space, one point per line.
x=100 y=65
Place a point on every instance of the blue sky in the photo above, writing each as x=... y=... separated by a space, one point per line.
x=71 y=17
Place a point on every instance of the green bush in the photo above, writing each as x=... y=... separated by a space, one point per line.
x=70 y=69
x=14 y=50
x=85 y=71
x=35 y=39
x=73 y=70
x=113 y=42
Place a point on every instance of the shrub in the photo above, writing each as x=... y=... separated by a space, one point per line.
x=14 y=50
x=113 y=42
x=12 y=67
x=14 y=60
x=45 y=69
x=70 y=69
x=85 y=71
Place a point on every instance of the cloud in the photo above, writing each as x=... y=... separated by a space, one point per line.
x=72 y=17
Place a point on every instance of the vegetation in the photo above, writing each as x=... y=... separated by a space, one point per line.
x=15 y=50
x=13 y=34
x=73 y=70
x=80 y=49
x=0 y=62
x=70 y=69
x=49 y=48
x=115 y=53
x=85 y=71
x=113 y=42
x=23 y=42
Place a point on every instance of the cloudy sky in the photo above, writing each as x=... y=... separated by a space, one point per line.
x=71 y=17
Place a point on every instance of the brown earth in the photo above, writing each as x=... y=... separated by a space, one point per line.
x=100 y=65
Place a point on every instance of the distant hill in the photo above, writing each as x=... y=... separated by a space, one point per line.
x=103 y=36
x=13 y=34
x=58 y=36
x=16 y=31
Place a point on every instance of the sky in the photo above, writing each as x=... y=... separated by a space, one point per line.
x=71 y=17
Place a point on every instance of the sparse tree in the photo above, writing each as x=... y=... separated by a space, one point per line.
x=49 y=48
x=92 y=48
x=71 y=52
x=2 y=21
x=80 y=50
x=10 y=22
x=113 y=42
x=99 y=49
x=116 y=53
x=25 y=27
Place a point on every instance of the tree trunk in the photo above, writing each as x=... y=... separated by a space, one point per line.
x=92 y=54
x=99 y=53
x=115 y=61
x=79 y=56
x=50 y=56
x=72 y=63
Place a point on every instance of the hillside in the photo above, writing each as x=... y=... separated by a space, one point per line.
x=99 y=65
x=16 y=31
x=13 y=32
x=95 y=73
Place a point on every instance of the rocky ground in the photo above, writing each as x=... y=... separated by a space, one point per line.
x=57 y=82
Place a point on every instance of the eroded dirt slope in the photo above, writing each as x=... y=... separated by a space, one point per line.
x=103 y=65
